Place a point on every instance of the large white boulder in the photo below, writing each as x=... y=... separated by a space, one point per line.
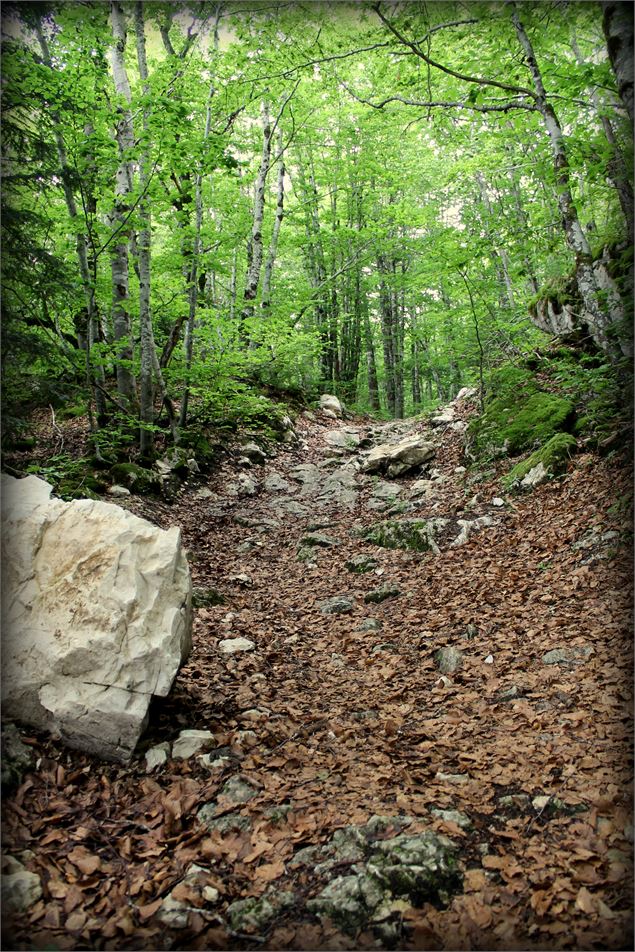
x=96 y=616
x=330 y=402
x=398 y=458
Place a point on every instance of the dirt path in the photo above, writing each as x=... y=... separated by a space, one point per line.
x=333 y=718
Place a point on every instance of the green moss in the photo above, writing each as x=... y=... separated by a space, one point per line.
x=518 y=416
x=553 y=455
x=72 y=411
x=135 y=477
x=413 y=534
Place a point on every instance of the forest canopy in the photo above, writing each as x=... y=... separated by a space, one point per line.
x=208 y=202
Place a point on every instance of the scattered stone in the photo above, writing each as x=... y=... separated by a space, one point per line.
x=17 y=758
x=157 y=756
x=306 y=553
x=509 y=694
x=443 y=682
x=370 y=624
x=517 y=801
x=468 y=527
x=174 y=912
x=329 y=414
x=254 y=714
x=575 y=655
x=212 y=762
x=398 y=458
x=452 y=777
x=96 y=616
x=242 y=579
x=414 y=534
x=448 y=659
x=274 y=483
x=206 y=597
x=489 y=659
x=19 y=888
x=336 y=605
x=205 y=493
x=444 y=418
x=459 y=470
x=254 y=453
x=118 y=491
x=422 y=487
x=346 y=439
x=246 y=485
x=459 y=426
x=360 y=564
x=318 y=539
x=330 y=402
x=238 y=790
x=254 y=915
x=230 y=646
x=338 y=660
x=497 y=501
x=288 y=506
x=471 y=631
x=339 y=489
x=535 y=477
x=385 y=646
x=255 y=522
x=248 y=546
x=245 y=739
x=452 y=816
x=191 y=742
x=381 y=594
x=465 y=393
x=230 y=823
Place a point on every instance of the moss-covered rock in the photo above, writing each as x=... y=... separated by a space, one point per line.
x=554 y=456
x=518 y=416
x=135 y=478
x=206 y=597
x=414 y=534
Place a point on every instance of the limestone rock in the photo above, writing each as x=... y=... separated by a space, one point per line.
x=448 y=659
x=319 y=539
x=444 y=418
x=253 y=453
x=346 y=439
x=574 y=655
x=118 y=491
x=536 y=475
x=370 y=624
x=337 y=605
x=465 y=393
x=381 y=594
x=422 y=487
x=398 y=458
x=230 y=646
x=174 y=912
x=274 y=483
x=360 y=564
x=330 y=402
x=96 y=616
x=17 y=758
x=453 y=816
x=415 y=534
x=157 y=756
x=254 y=914
x=19 y=888
x=329 y=414
x=191 y=742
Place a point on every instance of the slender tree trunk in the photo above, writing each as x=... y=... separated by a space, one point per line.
x=253 y=271
x=617 y=21
x=125 y=139
x=500 y=252
x=601 y=315
x=277 y=222
x=371 y=363
x=94 y=375
x=616 y=169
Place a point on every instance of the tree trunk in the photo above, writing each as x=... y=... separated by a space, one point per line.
x=617 y=21
x=119 y=263
x=253 y=271
x=600 y=316
x=616 y=170
x=273 y=245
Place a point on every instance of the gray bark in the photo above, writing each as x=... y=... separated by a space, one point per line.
x=256 y=246
x=273 y=246
x=617 y=21
x=123 y=183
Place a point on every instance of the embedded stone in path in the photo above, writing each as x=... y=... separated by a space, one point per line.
x=575 y=655
x=397 y=458
x=337 y=605
x=231 y=646
x=360 y=564
x=448 y=659
x=345 y=439
x=96 y=616
x=330 y=402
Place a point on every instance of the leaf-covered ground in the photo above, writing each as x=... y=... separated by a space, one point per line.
x=333 y=722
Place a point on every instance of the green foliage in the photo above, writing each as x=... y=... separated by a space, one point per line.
x=554 y=456
x=136 y=478
x=70 y=477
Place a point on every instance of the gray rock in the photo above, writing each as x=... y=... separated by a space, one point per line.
x=241 y=579
x=386 y=491
x=444 y=418
x=330 y=402
x=230 y=823
x=157 y=756
x=339 y=489
x=174 y=913
x=452 y=777
x=469 y=527
x=465 y=393
x=448 y=659
x=385 y=646
x=19 y=888
x=349 y=901
x=453 y=816
x=238 y=790
x=508 y=694
x=398 y=458
x=346 y=439
x=306 y=553
x=206 y=597
x=422 y=488
x=288 y=506
x=118 y=491
x=318 y=539
x=17 y=758
x=254 y=453
x=255 y=522
x=246 y=485
x=191 y=742
x=308 y=474
x=274 y=483
x=381 y=594
x=575 y=655
x=360 y=564
x=515 y=801
x=415 y=534
x=230 y=646
x=329 y=414
x=535 y=477
x=336 y=605
x=370 y=624
x=254 y=915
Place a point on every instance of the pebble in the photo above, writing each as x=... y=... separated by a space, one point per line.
x=230 y=646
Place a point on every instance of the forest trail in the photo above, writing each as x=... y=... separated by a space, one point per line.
x=333 y=718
